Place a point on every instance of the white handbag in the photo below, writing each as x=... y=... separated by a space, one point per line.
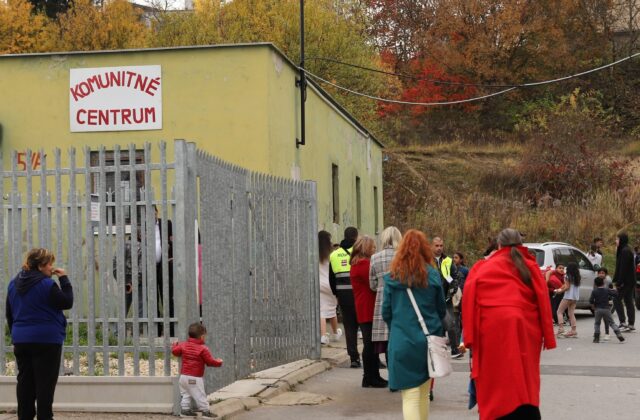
x=438 y=353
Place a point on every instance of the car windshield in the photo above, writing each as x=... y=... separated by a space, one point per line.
x=539 y=254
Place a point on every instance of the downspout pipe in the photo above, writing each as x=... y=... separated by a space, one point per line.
x=302 y=81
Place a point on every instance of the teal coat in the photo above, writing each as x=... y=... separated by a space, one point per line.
x=407 y=344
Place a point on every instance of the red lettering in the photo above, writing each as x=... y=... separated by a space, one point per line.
x=138 y=117
x=114 y=78
x=75 y=93
x=93 y=116
x=126 y=115
x=130 y=74
x=153 y=86
x=141 y=82
x=103 y=117
x=78 y=120
x=150 y=111
x=20 y=161
x=35 y=160
x=114 y=114
x=84 y=88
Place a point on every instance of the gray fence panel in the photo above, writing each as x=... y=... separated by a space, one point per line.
x=260 y=298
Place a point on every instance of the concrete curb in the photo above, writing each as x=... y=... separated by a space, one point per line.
x=230 y=407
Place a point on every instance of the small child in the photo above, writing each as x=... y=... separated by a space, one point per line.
x=603 y=273
x=195 y=355
x=600 y=303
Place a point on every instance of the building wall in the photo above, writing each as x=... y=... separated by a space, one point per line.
x=237 y=102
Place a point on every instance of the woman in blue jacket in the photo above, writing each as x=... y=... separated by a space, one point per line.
x=412 y=267
x=38 y=328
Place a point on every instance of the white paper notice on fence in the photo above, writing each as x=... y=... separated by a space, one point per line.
x=115 y=98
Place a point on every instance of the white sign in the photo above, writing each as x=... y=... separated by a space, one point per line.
x=115 y=98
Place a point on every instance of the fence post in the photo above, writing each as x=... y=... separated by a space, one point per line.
x=313 y=269
x=184 y=252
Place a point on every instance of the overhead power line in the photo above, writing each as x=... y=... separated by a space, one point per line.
x=394 y=101
x=408 y=76
x=474 y=99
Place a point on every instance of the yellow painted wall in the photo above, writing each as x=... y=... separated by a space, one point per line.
x=239 y=103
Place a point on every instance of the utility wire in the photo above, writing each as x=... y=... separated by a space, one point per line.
x=474 y=99
x=393 y=101
x=560 y=79
x=408 y=76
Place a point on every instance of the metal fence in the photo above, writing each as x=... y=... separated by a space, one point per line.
x=258 y=266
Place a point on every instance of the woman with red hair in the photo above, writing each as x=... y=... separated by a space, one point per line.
x=412 y=268
x=507 y=321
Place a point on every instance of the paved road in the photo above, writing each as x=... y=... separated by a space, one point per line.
x=580 y=380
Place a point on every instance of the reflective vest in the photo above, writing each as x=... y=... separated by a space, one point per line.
x=445 y=267
x=339 y=260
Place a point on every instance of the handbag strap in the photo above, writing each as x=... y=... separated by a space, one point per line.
x=425 y=330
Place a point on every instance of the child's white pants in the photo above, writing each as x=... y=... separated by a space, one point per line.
x=193 y=387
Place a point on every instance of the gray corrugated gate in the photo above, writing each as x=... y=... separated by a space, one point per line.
x=258 y=246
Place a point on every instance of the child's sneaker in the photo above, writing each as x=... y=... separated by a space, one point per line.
x=324 y=339
x=620 y=337
x=338 y=335
x=208 y=415
x=606 y=337
x=187 y=413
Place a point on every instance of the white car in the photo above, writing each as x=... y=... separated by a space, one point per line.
x=548 y=254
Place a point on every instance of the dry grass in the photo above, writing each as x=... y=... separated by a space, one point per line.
x=447 y=194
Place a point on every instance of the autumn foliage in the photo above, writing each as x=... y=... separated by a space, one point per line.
x=429 y=83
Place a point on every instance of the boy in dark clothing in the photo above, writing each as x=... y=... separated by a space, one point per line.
x=600 y=303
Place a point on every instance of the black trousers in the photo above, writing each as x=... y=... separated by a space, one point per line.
x=555 y=302
x=370 y=361
x=625 y=296
x=160 y=295
x=350 y=321
x=38 y=369
x=524 y=412
x=452 y=326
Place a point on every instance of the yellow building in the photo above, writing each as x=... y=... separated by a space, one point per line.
x=238 y=102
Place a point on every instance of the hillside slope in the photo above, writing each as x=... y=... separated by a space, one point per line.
x=450 y=191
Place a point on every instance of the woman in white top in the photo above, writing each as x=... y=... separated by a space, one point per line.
x=328 y=301
x=571 y=289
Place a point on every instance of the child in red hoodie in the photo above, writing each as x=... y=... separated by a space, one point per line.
x=195 y=355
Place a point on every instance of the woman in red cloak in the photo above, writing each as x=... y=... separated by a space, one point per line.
x=507 y=322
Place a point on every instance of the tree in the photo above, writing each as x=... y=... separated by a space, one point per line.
x=333 y=30
x=22 y=31
x=51 y=7
x=84 y=27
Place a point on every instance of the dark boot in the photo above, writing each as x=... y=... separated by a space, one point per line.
x=596 y=337
x=620 y=337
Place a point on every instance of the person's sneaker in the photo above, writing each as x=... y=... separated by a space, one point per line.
x=187 y=413
x=338 y=335
x=355 y=364
x=324 y=339
x=606 y=337
x=457 y=355
x=208 y=415
x=631 y=328
x=624 y=328
x=620 y=337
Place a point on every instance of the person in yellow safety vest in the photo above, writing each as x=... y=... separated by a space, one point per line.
x=449 y=276
x=340 y=282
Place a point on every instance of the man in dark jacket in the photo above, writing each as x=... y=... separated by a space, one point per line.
x=340 y=282
x=624 y=279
